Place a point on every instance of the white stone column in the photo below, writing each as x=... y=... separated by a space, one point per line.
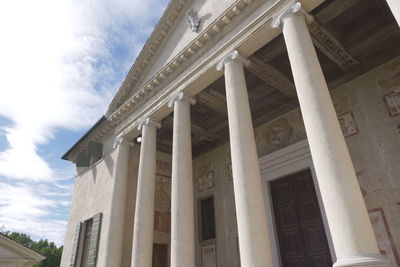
x=142 y=246
x=255 y=250
x=182 y=206
x=350 y=227
x=395 y=7
x=116 y=225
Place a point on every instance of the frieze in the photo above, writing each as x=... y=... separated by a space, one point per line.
x=331 y=47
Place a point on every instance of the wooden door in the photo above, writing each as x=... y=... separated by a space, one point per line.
x=160 y=255
x=301 y=234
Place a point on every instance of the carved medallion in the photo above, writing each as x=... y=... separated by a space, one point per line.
x=280 y=132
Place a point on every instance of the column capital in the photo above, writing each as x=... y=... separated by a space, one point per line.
x=290 y=10
x=230 y=57
x=182 y=96
x=122 y=141
x=149 y=122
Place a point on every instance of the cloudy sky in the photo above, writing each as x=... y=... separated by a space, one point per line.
x=61 y=61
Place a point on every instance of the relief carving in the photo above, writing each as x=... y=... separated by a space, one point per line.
x=205 y=179
x=280 y=132
x=193 y=20
x=348 y=124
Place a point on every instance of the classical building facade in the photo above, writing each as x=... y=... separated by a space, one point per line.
x=251 y=133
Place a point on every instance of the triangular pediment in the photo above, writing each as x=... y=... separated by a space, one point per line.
x=11 y=250
x=176 y=32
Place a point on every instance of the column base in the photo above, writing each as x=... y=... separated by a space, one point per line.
x=362 y=261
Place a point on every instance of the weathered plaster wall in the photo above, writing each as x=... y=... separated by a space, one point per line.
x=373 y=139
x=375 y=149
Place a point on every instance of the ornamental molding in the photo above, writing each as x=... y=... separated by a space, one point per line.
x=98 y=135
x=122 y=141
x=290 y=10
x=233 y=56
x=149 y=122
x=119 y=110
x=152 y=46
x=331 y=47
x=182 y=97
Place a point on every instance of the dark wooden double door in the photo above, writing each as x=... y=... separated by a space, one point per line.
x=300 y=229
x=160 y=255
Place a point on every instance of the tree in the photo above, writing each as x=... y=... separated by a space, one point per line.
x=44 y=247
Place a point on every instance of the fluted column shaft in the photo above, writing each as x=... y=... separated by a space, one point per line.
x=255 y=250
x=115 y=231
x=142 y=248
x=353 y=237
x=395 y=8
x=182 y=206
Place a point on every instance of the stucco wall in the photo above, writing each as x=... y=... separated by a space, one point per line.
x=92 y=194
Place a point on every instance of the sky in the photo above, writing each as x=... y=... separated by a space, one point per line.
x=61 y=62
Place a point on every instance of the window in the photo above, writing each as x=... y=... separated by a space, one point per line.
x=86 y=241
x=207 y=219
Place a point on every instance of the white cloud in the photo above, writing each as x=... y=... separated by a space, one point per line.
x=61 y=62
x=23 y=208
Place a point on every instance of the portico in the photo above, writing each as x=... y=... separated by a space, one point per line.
x=275 y=72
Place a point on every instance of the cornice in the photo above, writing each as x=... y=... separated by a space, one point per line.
x=161 y=100
x=97 y=135
x=173 y=68
x=152 y=46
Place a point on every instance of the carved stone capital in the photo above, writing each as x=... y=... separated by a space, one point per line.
x=290 y=10
x=122 y=141
x=149 y=122
x=182 y=96
x=233 y=56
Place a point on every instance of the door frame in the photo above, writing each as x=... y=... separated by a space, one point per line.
x=286 y=161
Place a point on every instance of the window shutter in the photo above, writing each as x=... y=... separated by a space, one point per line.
x=94 y=241
x=74 y=254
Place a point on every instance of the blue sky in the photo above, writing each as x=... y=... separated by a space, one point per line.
x=61 y=63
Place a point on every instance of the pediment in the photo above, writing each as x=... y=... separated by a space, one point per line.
x=172 y=35
x=11 y=250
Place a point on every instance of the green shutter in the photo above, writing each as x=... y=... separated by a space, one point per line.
x=75 y=246
x=94 y=241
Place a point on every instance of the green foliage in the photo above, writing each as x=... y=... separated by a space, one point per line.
x=44 y=247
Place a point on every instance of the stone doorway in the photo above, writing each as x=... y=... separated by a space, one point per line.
x=299 y=225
